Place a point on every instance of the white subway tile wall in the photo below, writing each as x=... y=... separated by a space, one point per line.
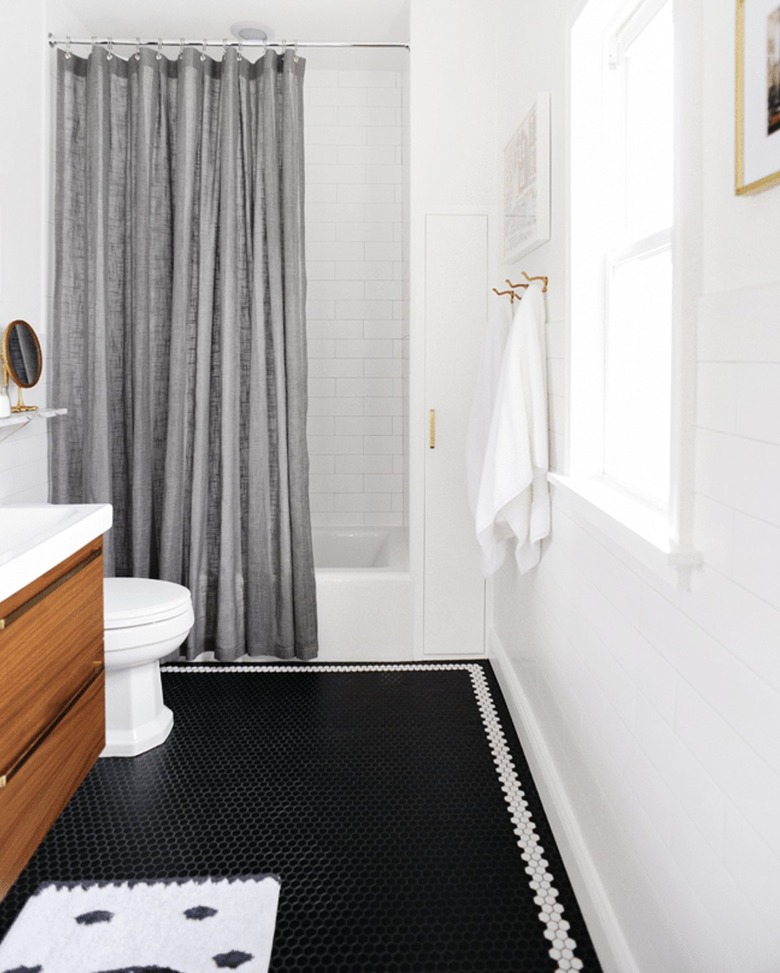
x=357 y=308
x=24 y=475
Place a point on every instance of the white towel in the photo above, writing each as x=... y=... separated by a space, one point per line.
x=513 y=497
x=488 y=374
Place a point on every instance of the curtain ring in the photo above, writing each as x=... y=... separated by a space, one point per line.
x=295 y=51
x=181 y=48
x=138 y=48
x=265 y=46
x=110 y=55
x=240 y=50
x=94 y=42
x=68 y=55
x=224 y=48
x=203 y=50
x=159 y=48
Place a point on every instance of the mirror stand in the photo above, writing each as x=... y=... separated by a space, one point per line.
x=20 y=406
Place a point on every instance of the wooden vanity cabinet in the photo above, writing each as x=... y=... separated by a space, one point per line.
x=52 y=701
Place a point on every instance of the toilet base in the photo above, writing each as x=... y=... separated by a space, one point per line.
x=137 y=720
x=129 y=743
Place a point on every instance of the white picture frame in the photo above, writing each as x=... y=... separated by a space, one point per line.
x=526 y=203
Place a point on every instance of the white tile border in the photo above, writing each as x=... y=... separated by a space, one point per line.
x=541 y=881
x=604 y=929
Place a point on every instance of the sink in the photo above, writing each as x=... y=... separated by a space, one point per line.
x=24 y=527
x=37 y=536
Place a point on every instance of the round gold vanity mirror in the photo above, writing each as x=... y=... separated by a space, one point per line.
x=22 y=360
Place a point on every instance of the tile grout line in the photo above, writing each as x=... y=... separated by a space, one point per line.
x=539 y=878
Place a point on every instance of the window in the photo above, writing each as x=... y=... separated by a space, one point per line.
x=622 y=205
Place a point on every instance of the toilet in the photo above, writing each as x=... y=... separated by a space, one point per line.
x=144 y=621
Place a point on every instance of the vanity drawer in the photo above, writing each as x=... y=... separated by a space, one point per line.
x=35 y=796
x=51 y=643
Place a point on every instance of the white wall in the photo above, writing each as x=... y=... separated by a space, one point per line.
x=23 y=123
x=357 y=319
x=655 y=710
x=27 y=70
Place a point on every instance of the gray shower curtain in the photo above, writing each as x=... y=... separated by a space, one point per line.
x=179 y=344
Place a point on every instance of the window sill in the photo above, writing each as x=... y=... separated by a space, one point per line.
x=627 y=523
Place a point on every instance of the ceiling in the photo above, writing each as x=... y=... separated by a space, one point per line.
x=305 y=20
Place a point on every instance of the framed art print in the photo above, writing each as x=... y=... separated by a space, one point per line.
x=527 y=182
x=758 y=95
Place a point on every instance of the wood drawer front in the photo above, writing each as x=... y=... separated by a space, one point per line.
x=34 y=798
x=48 y=650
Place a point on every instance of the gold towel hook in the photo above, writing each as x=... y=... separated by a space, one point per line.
x=520 y=284
x=512 y=294
x=539 y=277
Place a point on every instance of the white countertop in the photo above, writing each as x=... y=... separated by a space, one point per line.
x=35 y=537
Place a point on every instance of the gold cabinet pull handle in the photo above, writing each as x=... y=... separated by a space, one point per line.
x=431 y=429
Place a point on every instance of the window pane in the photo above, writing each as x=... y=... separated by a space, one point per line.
x=649 y=126
x=638 y=375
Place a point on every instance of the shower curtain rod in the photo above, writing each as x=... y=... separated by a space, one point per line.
x=185 y=42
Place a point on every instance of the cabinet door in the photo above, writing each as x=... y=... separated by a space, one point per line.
x=456 y=286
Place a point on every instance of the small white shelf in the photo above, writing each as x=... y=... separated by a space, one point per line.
x=16 y=420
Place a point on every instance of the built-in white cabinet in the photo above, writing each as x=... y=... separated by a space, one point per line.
x=455 y=309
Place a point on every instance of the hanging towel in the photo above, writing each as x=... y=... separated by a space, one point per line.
x=488 y=374
x=513 y=497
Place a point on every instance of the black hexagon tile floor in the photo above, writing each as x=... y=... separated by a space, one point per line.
x=393 y=802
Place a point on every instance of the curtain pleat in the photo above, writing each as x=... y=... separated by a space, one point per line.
x=179 y=342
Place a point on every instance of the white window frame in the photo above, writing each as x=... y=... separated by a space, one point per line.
x=662 y=540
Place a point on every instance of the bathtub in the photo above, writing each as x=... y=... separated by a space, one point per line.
x=364 y=594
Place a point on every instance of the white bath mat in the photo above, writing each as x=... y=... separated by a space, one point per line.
x=178 y=926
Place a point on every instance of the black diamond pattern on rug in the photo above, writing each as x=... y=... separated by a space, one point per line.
x=373 y=795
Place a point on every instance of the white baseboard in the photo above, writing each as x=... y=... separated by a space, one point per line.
x=605 y=931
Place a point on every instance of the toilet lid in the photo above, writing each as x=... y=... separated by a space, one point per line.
x=141 y=601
